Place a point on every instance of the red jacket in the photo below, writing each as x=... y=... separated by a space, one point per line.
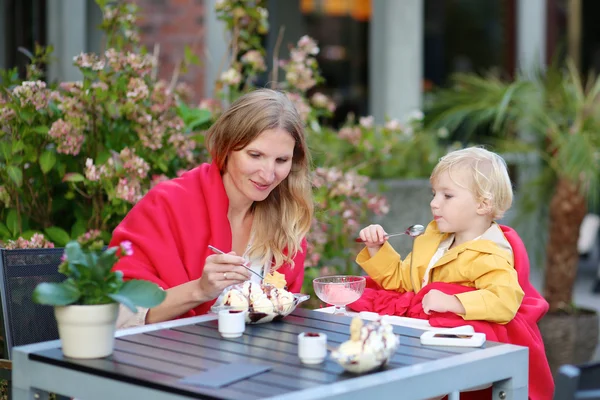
x=172 y=226
x=522 y=330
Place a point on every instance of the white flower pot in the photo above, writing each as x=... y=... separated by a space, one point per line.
x=87 y=331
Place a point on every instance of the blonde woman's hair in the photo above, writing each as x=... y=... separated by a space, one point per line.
x=488 y=172
x=283 y=219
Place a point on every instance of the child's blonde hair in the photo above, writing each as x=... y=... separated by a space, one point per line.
x=489 y=175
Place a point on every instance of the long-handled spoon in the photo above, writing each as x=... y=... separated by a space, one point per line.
x=214 y=249
x=413 y=231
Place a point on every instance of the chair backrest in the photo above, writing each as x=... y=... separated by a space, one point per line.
x=578 y=382
x=23 y=321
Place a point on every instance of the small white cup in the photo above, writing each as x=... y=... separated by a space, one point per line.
x=232 y=323
x=312 y=347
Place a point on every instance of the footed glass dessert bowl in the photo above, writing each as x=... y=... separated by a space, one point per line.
x=339 y=290
x=370 y=346
x=263 y=302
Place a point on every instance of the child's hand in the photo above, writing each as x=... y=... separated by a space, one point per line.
x=441 y=302
x=373 y=236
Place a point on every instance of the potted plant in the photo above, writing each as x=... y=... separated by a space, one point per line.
x=557 y=116
x=86 y=304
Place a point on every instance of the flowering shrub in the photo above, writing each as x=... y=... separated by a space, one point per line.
x=79 y=155
x=343 y=204
x=393 y=150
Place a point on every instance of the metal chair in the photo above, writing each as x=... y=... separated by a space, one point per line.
x=23 y=321
x=578 y=382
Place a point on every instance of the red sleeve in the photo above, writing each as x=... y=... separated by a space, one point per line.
x=171 y=227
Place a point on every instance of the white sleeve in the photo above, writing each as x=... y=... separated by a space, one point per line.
x=128 y=319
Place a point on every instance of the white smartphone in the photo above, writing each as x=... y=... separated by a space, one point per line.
x=444 y=338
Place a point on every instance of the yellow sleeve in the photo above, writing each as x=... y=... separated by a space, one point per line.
x=498 y=295
x=387 y=268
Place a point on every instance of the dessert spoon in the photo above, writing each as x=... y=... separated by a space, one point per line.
x=412 y=231
x=214 y=249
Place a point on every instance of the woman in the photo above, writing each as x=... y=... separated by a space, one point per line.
x=254 y=201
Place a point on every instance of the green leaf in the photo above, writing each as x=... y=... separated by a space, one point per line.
x=4 y=232
x=17 y=146
x=140 y=293
x=40 y=129
x=125 y=301
x=15 y=174
x=12 y=222
x=57 y=235
x=47 y=161
x=78 y=228
x=73 y=177
x=75 y=254
x=56 y=294
x=107 y=259
x=28 y=234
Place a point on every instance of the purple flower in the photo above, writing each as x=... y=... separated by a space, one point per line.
x=127 y=247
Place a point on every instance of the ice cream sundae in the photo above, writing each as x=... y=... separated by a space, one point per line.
x=264 y=302
x=370 y=346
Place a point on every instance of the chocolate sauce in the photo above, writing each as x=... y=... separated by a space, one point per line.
x=312 y=334
x=254 y=317
x=234 y=311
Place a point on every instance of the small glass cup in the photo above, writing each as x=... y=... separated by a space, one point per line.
x=232 y=323
x=312 y=347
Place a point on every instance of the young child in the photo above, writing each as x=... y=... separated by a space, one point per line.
x=462 y=245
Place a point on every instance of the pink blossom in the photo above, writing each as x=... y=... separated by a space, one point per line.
x=91 y=172
x=152 y=135
x=89 y=61
x=184 y=146
x=319 y=100
x=66 y=137
x=137 y=90
x=126 y=247
x=184 y=91
x=32 y=93
x=37 y=241
x=351 y=134
x=301 y=105
x=134 y=165
x=231 y=77
x=366 y=122
x=308 y=45
x=128 y=190
x=156 y=179
x=212 y=105
x=393 y=125
x=255 y=60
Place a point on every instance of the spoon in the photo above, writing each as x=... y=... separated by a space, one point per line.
x=412 y=231
x=214 y=249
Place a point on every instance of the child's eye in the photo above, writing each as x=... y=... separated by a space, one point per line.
x=254 y=155
x=448 y=196
x=282 y=160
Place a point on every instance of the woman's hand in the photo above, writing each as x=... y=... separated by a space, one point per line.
x=220 y=271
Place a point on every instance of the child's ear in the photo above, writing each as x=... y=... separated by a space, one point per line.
x=484 y=207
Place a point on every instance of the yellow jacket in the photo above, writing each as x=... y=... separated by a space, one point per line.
x=486 y=264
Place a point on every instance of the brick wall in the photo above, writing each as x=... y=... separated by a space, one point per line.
x=173 y=24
